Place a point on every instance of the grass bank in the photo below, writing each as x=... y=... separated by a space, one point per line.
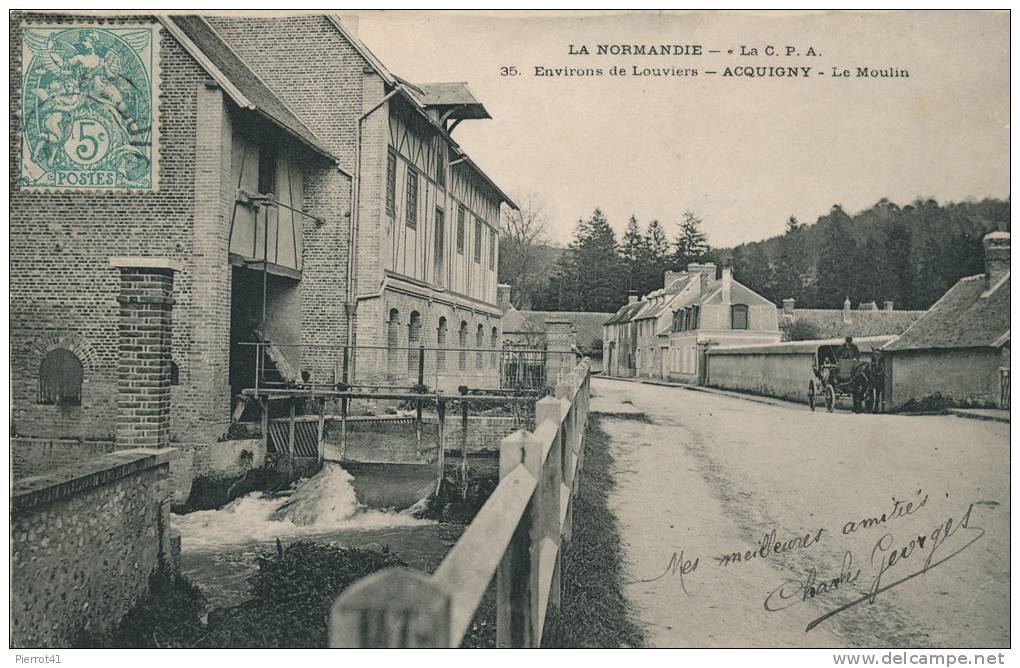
x=594 y=612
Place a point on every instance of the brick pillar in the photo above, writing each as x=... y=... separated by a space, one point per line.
x=143 y=364
x=560 y=341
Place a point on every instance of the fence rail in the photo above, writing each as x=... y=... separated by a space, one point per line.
x=518 y=536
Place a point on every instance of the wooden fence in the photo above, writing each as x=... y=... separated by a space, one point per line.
x=518 y=536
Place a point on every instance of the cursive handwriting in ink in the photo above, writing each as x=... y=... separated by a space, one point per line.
x=900 y=508
x=888 y=556
x=792 y=592
x=678 y=565
x=768 y=546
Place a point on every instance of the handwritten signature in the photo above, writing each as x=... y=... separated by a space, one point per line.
x=884 y=555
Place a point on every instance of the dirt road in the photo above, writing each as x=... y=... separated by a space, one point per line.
x=709 y=478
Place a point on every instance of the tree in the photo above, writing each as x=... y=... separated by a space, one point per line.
x=760 y=275
x=691 y=244
x=634 y=254
x=791 y=263
x=522 y=262
x=587 y=274
x=837 y=270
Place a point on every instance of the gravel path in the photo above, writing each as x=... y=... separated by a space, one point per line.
x=712 y=475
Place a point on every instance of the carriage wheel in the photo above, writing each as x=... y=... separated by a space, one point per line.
x=871 y=400
x=811 y=395
x=830 y=398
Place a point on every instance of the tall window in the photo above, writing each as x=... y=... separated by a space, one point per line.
x=738 y=316
x=460 y=229
x=412 y=197
x=493 y=343
x=695 y=316
x=392 y=340
x=413 y=343
x=478 y=240
x=391 y=182
x=440 y=243
x=441 y=344
x=479 y=344
x=462 y=344
x=492 y=249
x=60 y=377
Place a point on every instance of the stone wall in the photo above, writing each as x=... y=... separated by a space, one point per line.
x=393 y=440
x=963 y=376
x=84 y=541
x=782 y=370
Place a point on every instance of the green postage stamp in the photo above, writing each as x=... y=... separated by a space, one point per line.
x=90 y=107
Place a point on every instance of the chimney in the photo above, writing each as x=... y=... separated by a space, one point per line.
x=846 y=310
x=788 y=305
x=887 y=305
x=503 y=297
x=727 y=283
x=996 y=257
x=631 y=296
x=706 y=270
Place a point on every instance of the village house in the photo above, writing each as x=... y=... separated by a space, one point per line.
x=665 y=334
x=866 y=320
x=959 y=349
x=309 y=208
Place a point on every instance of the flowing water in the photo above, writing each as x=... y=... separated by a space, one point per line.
x=219 y=546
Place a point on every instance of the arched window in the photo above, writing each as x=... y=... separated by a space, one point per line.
x=739 y=317
x=462 y=344
x=494 y=344
x=479 y=344
x=441 y=344
x=392 y=341
x=413 y=342
x=175 y=373
x=60 y=377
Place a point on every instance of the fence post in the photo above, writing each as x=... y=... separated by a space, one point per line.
x=464 y=449
x=517 y=576
x=395 y=607
x=441 y=455
x=549 y=491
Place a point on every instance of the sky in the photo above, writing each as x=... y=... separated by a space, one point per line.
x=743 y=154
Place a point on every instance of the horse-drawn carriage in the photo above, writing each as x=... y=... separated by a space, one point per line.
x=837 y=374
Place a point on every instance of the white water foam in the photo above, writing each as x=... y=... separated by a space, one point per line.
x=321 y=504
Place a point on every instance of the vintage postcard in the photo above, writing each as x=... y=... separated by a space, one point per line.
x=500 y=329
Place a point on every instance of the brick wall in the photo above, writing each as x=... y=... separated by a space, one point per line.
x=84 y=541
x=66 y=297
x=328 y=99
x=32 y=456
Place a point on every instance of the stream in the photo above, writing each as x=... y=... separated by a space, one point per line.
x=219 y=547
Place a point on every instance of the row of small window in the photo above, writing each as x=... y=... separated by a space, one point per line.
x=414 y=339
x=689 y=318
x=685 y=319
x=411 y=214
x=61 y=375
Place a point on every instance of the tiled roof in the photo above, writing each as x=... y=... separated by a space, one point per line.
x=968 y=316
x=625 y=314
x=829 y=322
x=237 y=72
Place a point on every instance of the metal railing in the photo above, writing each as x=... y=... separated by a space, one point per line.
x=315 y=367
